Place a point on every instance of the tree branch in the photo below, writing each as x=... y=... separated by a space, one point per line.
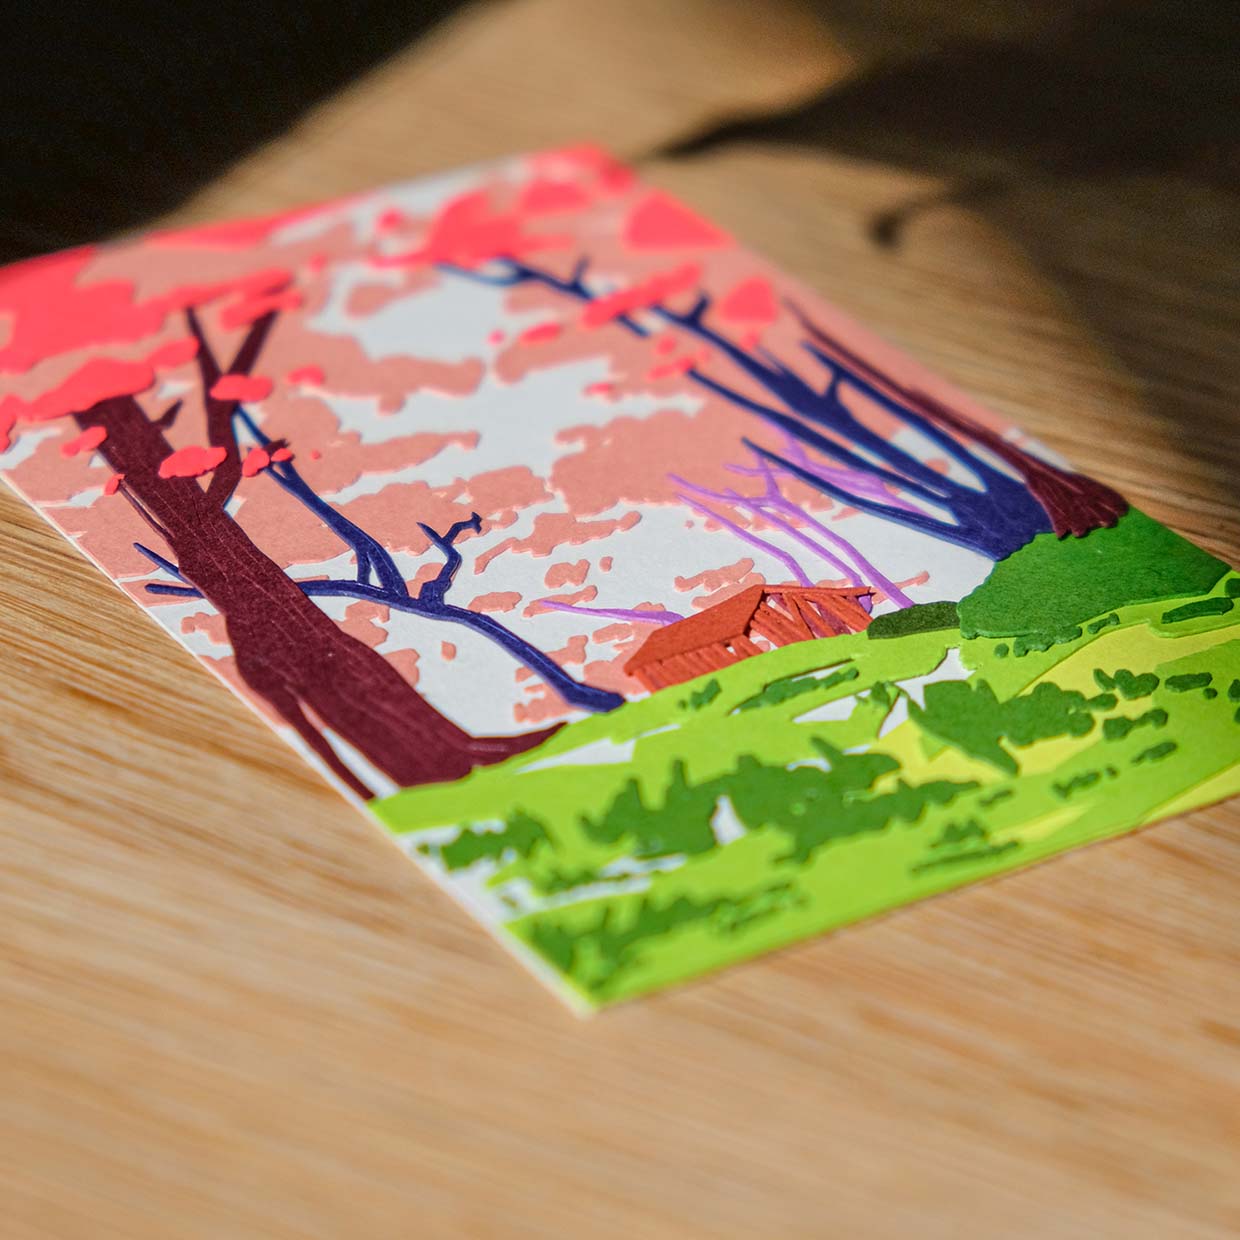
x=902 y=516
x=869 y=574
x=392 y=590
x=371 y=554
x=828 y=447
x=158 y=560
x=247 y=354
x=572 y=691
x=823 y=408
x=208 y=367
x=774 y=376
x=761 y=506
x=435 y=590
x=587 y=697
x=161 y=587
x=788 y=560
x=886 y=391
x=140 y=508
x=859 y=481
x=613 y=613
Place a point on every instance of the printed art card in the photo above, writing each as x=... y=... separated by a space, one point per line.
x=659 y=612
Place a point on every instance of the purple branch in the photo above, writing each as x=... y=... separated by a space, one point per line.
x=758 y=506
x=914 y=520
x=615 y=613
x=776 y=498
x=868 y=573
x=857 y=481
x=787 y=560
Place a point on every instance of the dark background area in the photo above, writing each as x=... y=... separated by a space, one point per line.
x=114 y=114
x=1042 y=93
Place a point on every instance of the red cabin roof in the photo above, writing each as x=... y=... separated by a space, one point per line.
x=725 y=633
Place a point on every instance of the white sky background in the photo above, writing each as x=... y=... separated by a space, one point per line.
x=518 y=424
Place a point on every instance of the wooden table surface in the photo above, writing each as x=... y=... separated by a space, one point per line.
x=231 y=1010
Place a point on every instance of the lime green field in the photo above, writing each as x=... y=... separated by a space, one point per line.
x=1090 y=686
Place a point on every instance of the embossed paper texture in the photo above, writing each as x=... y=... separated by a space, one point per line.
x=660 y=613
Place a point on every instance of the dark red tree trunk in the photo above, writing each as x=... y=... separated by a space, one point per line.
x=312 y=673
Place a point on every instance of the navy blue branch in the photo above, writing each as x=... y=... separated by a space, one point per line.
x=993 y=513
x=380 y=581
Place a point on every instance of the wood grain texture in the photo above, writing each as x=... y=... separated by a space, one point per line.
x=232 y=1010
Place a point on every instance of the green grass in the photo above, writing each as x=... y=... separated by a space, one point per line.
x=815 y=785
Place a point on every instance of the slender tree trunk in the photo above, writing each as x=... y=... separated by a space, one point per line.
x=312 y=673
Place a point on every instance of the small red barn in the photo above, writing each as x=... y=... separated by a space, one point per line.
x=729 y=631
